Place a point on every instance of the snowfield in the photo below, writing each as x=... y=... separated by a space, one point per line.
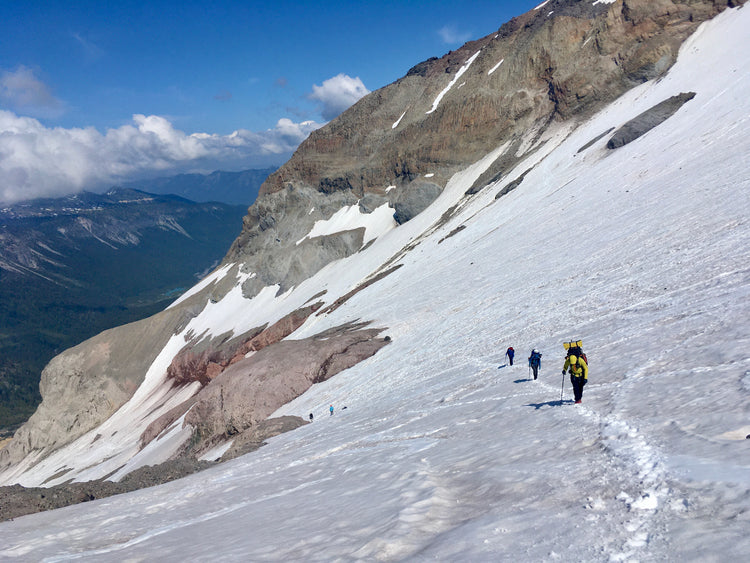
x=436 y=453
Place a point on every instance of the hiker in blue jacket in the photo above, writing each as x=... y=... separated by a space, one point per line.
x=510 y=352
x=535 y=361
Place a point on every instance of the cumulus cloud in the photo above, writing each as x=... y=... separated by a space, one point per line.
x=21 y=90
x=37 y=161
x=337 y=94
x=450 y=35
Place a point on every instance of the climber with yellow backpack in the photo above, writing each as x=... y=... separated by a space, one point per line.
x=576 y=364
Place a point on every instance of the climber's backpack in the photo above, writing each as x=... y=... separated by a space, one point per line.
x=574 y=349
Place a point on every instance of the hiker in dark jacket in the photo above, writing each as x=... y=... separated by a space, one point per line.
x=535 y=361
x=510 y=352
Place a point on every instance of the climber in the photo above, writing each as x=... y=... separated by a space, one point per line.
x=510 y=352
x=535 y=361
x=579 y=374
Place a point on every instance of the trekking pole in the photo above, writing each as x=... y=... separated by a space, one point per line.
x=562 y=386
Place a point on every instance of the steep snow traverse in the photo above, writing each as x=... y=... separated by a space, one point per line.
x=641 y=251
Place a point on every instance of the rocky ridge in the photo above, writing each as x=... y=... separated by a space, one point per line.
x=548 y=66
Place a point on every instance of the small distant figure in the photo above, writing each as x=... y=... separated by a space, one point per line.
x=311 y=417
x=331 y=410
x=509 y=353
x=577 y=364
x=535 y=361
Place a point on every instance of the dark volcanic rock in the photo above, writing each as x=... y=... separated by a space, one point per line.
x=643 y=123
x=413 y=199
x=512 y=185
x=370 y=202
x=595 y=139
x=202 y=361
x=422 y=68
x=16 y=500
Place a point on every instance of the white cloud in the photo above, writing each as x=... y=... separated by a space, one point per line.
x=21 y=90
x=39 y=161
x=450 y=35
x=337 y=94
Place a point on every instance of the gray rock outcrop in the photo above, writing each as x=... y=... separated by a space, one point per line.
x=414 y=198
x=643 y=123
x=370 y=202
x=274 y=243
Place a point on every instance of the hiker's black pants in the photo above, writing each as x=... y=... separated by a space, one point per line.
x=578 y=383
x=535 y=369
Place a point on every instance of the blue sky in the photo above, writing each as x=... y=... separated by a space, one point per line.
x=109 y=91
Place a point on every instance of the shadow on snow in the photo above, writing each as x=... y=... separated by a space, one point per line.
x=556 y=403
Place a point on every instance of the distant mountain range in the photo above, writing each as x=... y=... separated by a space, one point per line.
x=72 y=267
x=240 y=188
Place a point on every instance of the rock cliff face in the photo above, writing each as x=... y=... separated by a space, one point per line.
x=86 y=384
x=557 y=63
x=389 y=156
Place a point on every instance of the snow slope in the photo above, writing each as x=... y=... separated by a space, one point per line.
x=643 y=252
